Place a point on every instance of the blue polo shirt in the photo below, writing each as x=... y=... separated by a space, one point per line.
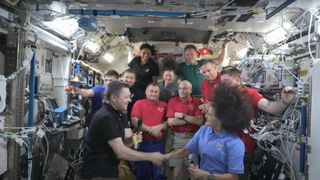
x=220 y=153
x=97 y=98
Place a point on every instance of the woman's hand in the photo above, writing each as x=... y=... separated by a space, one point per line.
x=196 y=172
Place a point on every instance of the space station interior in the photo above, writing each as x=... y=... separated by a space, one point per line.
x=48 y=45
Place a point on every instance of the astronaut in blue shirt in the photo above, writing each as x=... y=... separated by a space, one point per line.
x=216 y=142
x=95 y=93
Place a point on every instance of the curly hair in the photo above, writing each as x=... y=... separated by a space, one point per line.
x=169 y=64
x=232 y=106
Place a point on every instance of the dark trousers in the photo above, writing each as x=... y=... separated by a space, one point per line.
x=145 y=170
x=248 y=160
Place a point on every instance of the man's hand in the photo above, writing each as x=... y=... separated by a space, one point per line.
x=158 y=158
x=69 y=89
x=156 y=131
x=196 y=172
x=204 y=107
x=178 y=115
x=167 y=156
x=287 y=95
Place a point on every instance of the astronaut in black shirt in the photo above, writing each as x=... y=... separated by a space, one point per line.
x=106 y=136
x=129 y=77
x=145 y=68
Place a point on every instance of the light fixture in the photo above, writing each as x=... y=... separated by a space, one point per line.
x=241 y=53
x=108 y=57
x=64 y=26
x=50 y=38
x=92 y=47
x=59 y=7
x=286 y=25
x=226 y=62
x=275 y=36
x=130 y=56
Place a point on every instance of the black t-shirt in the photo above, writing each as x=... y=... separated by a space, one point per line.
x=136 y=94
x=99 y=159
x=144 y=73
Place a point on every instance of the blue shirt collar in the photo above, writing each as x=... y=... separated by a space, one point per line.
x=219 y=134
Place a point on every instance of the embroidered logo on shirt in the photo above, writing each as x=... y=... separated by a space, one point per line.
x=131 y=96
x=219 y=146
x=147 y=70
x=160 y=109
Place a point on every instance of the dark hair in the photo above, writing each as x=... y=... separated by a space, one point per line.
x=169 y=64
x=112 y=72
x=231 y=71
x=114 y=88
x=206 y=61
x=232 y=106
x=190 y=46
x=129 y=70
x=153 y=84
x=146 y=46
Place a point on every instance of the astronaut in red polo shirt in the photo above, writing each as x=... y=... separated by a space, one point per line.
x=184 y=119
x=233 y=76
x=152 y=112
x=212 y=78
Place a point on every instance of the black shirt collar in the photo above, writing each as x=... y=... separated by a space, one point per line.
x=111 y=108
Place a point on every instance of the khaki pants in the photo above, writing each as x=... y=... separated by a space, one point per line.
x=125 y=172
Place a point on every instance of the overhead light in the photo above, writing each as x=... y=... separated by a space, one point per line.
x=107 y=57
x=56 y=6
x=50 y=38
x=286 y=25
x=122 y=37
x=64 y=26
x=92 y=47
x=241 y=53
x=275 y=36
x=226 y=62
x=130 y=56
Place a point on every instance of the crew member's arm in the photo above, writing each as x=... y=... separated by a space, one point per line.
x=157 y=130
x=173 y=119
x=220 y=58
x=277 y=107
x=199 y=173
x=127 y=137
x=205 y=106
x=125 y=153
x=82 y=92
x=176 y=122
x=144 y=127
x=183 y=119
x=177 y=154
x=195 y=120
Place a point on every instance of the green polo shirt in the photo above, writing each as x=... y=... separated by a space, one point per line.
x=192 y=74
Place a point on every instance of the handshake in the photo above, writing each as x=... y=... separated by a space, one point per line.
x=158 y=158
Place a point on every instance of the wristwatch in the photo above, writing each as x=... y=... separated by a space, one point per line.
x=210 y=176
